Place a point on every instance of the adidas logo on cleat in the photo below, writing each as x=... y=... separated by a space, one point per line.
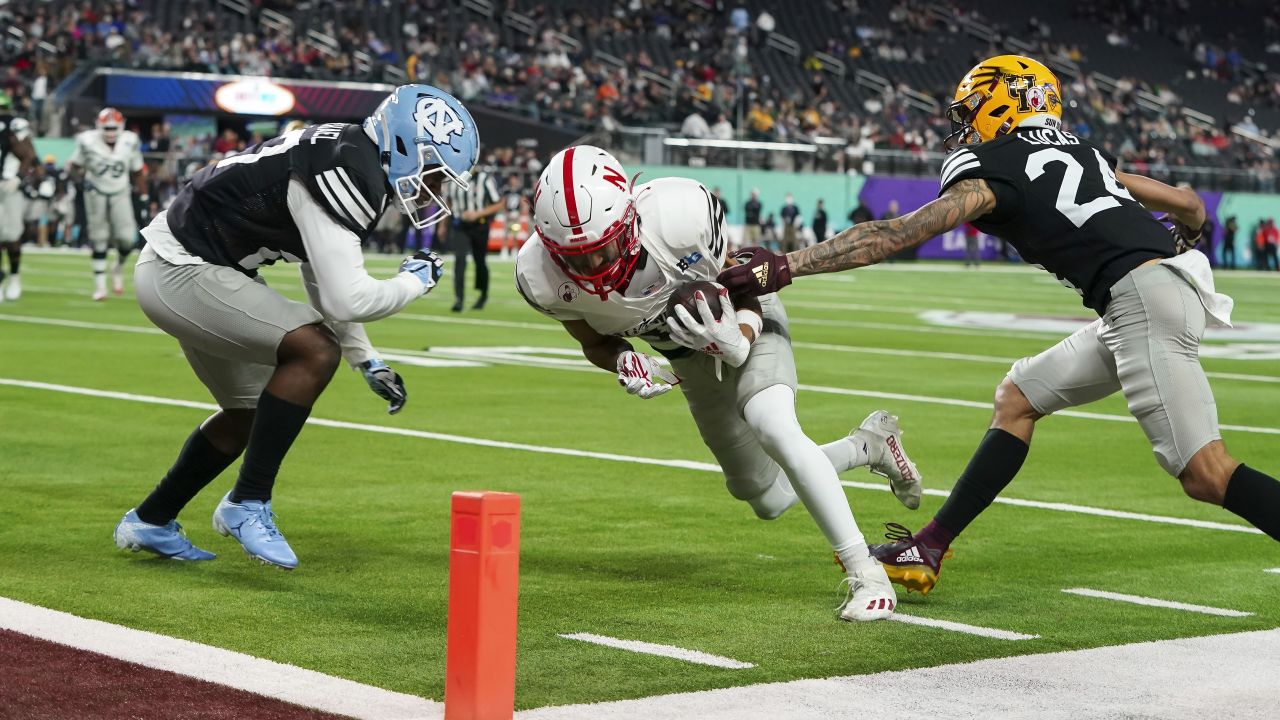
x=880 y=604
x=911 y=554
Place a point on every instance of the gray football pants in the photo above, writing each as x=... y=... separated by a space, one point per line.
x=110 y=219
x=1147 y=345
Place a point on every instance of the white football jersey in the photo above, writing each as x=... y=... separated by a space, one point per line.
x=107 y=167
x=681 y=228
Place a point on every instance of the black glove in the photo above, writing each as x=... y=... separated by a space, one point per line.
x=386 y=383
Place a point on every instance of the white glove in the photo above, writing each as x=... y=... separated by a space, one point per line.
x=641 y=375
x=721 y=338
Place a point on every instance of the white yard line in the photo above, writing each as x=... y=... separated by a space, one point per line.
x=988 y=359
x=859 y=349
x=925 y=329
x=809 y=388
x=542 y=449
x=225 y=667
x=987 y=406
x=669 y=651
x=1081 y=510
x=423 y=434
x=1154 y=602
x=893 y=352
x=961 y=627
x=1225 y=677
x=1241 y=376
x=80 y=324
x=1273 y=570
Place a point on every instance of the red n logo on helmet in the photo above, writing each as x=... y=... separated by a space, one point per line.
x=614 y=177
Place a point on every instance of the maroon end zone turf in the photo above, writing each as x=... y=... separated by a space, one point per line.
x=41 y=680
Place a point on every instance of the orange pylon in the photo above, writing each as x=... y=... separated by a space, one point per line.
x=484 y=585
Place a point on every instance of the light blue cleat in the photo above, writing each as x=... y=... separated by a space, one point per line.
x=253 y=525
x=164 y=540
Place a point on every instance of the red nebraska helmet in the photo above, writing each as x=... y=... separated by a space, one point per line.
x=584 y=211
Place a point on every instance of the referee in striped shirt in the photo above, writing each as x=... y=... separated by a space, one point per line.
x=473 y=210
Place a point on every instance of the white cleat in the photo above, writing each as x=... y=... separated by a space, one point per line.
x=13 y=290
x=870 y=594
x=886 y=456
x=100 y=294
x=117 y=280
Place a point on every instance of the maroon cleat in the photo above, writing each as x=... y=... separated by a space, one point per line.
x=907 y=561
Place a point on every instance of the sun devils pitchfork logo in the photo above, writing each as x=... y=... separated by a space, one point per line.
x=437 y=119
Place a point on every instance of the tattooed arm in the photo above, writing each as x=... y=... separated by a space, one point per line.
x=869 y=243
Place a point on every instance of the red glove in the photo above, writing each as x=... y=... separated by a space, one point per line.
x=758 y=272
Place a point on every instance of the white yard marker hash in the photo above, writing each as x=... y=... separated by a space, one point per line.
x=670 y=651
x=1153 y=602
x=961 y=627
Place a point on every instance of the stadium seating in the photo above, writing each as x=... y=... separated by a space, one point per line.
x=857 y=68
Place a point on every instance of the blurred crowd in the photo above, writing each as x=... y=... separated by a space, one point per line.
x=698 y=68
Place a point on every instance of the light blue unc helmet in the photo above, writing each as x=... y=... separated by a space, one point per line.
x=421 y=131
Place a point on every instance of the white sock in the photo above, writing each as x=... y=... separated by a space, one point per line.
x=854 y=557
x=771 y=414
x=846 y=453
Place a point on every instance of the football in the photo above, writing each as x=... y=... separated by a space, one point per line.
x=683 y=295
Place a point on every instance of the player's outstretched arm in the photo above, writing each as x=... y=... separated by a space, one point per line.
x=760 y=272
x=871 y=242
x=347 y=292
x=1183 y=203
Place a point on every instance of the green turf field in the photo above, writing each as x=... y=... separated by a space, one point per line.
x=624 y=549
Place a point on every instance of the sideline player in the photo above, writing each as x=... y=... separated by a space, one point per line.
x=110 y=158
x=1058 y=200
x=309 y=196
x=17 y=158
x=605 y=257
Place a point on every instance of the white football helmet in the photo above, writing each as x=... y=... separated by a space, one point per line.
x=584 y=211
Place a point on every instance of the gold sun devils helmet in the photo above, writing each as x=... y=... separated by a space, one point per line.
x=998 y=95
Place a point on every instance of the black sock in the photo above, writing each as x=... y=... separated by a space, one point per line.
x=994 y=464
x=1255 y=497
x=15 y=261
x=276 y=425
x=197 y=465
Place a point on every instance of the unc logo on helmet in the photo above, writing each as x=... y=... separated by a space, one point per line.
x=437 y=120
x=425 y=138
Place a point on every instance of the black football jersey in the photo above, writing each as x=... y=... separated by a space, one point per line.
x=1059 y=204
x=235 y=212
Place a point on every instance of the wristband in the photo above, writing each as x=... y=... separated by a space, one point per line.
x=752 y=320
